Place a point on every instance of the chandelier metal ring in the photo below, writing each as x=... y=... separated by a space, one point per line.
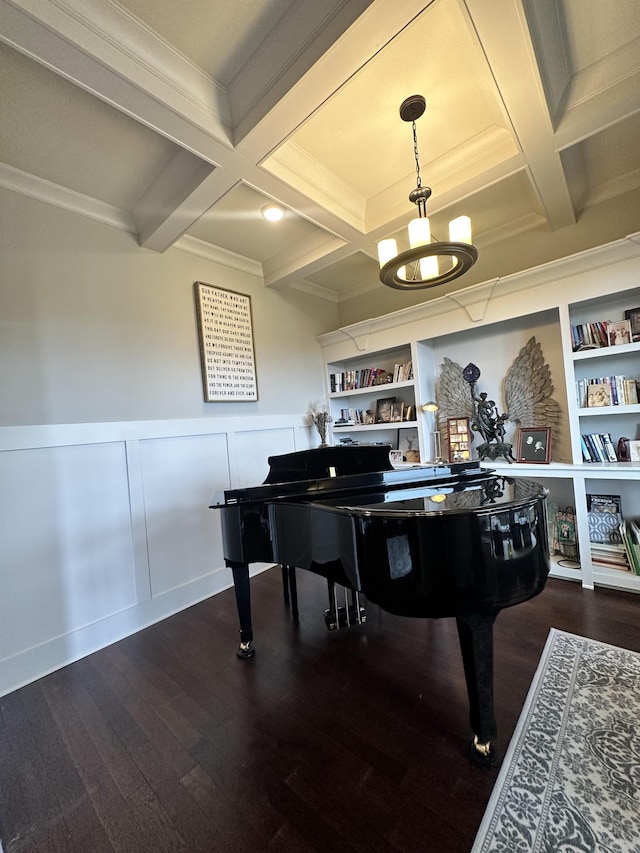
x=464 y=254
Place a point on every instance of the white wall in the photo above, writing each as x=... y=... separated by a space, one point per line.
x=94 y=328
x=109 y=457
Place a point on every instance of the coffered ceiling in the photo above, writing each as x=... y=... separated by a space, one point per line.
x=179 y=121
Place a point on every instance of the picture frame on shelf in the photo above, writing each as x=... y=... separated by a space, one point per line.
x=619 y=333
x=633 y=316
x=383 y=409
x=408 y=443
x=634 y=451
x=534 y=445
x=397 y=411
x=599 y=394
x=459 y=439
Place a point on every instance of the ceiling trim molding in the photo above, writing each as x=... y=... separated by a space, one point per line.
x=316 y=290
x=100 y=47
x=74 y=202
x=512 y=229
x=292 y=164
x=273 y=69
x=197 y=247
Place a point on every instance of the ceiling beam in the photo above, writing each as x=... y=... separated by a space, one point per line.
x=502 y=29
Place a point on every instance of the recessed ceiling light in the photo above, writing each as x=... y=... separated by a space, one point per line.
x=273 y=212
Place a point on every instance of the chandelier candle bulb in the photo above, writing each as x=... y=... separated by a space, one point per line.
x=387 y=249
x=420 y=235
x=460 y=230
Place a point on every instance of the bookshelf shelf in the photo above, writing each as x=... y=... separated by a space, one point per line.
x=608 y=411
x=373 y=390
x=606 y=352
x=347 y=428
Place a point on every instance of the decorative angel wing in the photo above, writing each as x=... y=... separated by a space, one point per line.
x=453 y=396
x=528 y=389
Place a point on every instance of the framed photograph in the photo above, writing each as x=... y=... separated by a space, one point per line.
x=383 y=410
x=397 y=411
x=634 y=451
x=226 y=344
x=633 y=316
x=599 y=394
x=534 y=445
x=409 y=444
x=459 y=438
x=619 y=333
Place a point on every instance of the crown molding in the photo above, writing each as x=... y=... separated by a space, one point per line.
x=101 y=47
x=74 y=202
x=201 y=249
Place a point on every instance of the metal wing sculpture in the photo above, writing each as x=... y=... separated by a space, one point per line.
x=527 y=393
x=528 y=388
x=454 y=397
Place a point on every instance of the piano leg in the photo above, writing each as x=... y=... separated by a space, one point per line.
x=243 y=602
x=290 y=589
x=475 y=632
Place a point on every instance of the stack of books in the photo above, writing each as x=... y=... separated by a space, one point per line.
x=615 y=541
x=605 y=517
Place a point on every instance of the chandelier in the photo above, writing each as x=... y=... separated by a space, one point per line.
x=419 y=266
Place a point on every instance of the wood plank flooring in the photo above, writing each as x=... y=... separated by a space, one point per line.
x=347 y=742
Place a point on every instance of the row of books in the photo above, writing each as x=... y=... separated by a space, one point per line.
x=614 y=540
x=352 y=380
x=598 y=447
x=603 y=333
x=352 y=417
x=606 y=391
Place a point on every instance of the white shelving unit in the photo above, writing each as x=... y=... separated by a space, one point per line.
x=621 y=478
x=365 y=399
x=487 y=324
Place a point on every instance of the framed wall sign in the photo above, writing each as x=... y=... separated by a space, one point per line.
x=226 y=344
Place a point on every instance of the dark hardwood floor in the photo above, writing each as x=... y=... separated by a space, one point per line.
x=325 y=741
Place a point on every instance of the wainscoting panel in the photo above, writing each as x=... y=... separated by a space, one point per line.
x=180 y=476
x=106 y=527
x=66 y=542
x=252 y=451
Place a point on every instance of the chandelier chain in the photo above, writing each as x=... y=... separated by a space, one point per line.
x=417 y=156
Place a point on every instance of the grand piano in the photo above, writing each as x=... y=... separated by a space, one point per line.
x=447 y=540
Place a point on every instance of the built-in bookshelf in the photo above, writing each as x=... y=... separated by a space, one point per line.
x=372 y=399
x=488 y=324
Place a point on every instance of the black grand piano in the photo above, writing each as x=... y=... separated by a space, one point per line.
x=448 y=540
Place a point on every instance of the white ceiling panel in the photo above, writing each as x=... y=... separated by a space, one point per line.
x=188 y=118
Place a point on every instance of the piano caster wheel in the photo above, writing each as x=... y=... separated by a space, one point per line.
x=483 y=754
x=329 y=621
x=245 y=651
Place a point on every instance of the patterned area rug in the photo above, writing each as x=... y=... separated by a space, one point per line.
x=570 y=780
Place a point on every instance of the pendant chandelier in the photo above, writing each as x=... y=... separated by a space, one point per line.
x=419 y=267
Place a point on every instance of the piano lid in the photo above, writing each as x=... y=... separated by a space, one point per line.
x=319 y=462
x=341 y=470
